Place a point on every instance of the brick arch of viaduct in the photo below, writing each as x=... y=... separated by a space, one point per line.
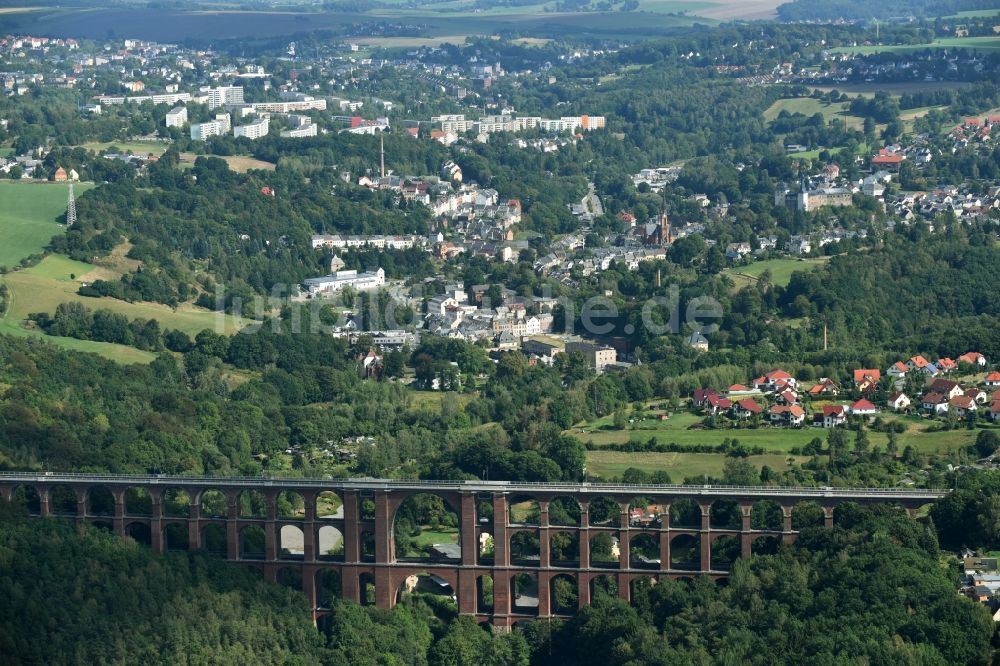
x=358 y=565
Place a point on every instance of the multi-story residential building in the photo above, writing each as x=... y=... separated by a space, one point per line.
x=177 y=117
x=223 y=96
x=255 y=130
x=202 y=131
x=598 y=357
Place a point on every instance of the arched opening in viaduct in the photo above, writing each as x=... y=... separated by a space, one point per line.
x=725 y=552
x=604 y=550
x=425 y=527
x=291 y=542
x=484 y=594
x=564 y=512
x=604 y=511
x=564 y=549
x=253 y=504
x=644 y=551
x=329 y=587
x=214 y=504
x=685 y=552
x=685 y=513
x=138 y=502
x=603 y=585
x=439 y=587
x=564 y=597
x=639 y=589
x=523 y=510
x=176 y=503
x=766 y=515
x=329 y=543
x=524 y=593
x=290 y=577
x=807 y=514
x=252 y=543
x=140 y=533
x=525 y=548
x=63 y=501
x=329 y=506
x=290 y=504
x=214 y=540
x=175 y=536
x=100 y=501
x=27 y=499
x=725 y=515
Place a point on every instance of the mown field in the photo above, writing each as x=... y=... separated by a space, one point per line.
x=608 y=464
x=237 y=163
x=978 y=43
x=781 y=270
x=773 y=440
x=134 y=147
x=28 y=212
x=56 y=279
x=810 y=107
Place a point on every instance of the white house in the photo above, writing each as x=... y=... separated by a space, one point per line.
x=898 y=401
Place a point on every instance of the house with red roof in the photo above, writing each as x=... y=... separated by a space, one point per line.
x=701 y=395
x=864 y=407
x=993 y=412
x=935 y=403
x=715 y=404
x=787 y=415
x=746 y=408
x=962 y=405
x=946 y=365
x=993 y=379
x=773 y=380
x=887 y=160
x=738 y=389
x=973 y=358
x=862 y=374
x=977 y=394
x=917 y=363
x=831 y=416
x=825 y=386
x=898 y=370
x=787 y=397
x=945 y=387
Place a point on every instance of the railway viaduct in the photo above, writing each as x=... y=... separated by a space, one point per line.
x=512 y=551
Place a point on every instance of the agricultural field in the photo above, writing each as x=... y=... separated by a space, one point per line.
x=809 y=107
x=237 y=163
x=28 y=213
x=608 y=464
x=134 y=147
x=977 y=43
x=56 y=279
x=774 y=440
x=781 y=270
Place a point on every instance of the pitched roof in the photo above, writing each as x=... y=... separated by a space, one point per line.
x=749 y=405
x=962 y=402
x=862 y=406
x=833 y=410
x=867 y=373
x=933 y=398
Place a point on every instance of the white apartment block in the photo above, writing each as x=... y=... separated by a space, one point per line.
x=225 y=122
x=335 y=282
x=458 y=123
x=202 y=131
x=177 y=117
x=308 y=104
x=254 y=130
x=299 y=132
x=223 y=96
x=378 y=242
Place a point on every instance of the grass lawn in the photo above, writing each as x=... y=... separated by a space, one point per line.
x=605 y=464
x=41 y=288
x=810 y=107
x=781 y=270
x=441 y=535
x=773 y=440
x=978 y=43
x=28 y=212
x=119 y=353
x=134 y=147
x=237 y=163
